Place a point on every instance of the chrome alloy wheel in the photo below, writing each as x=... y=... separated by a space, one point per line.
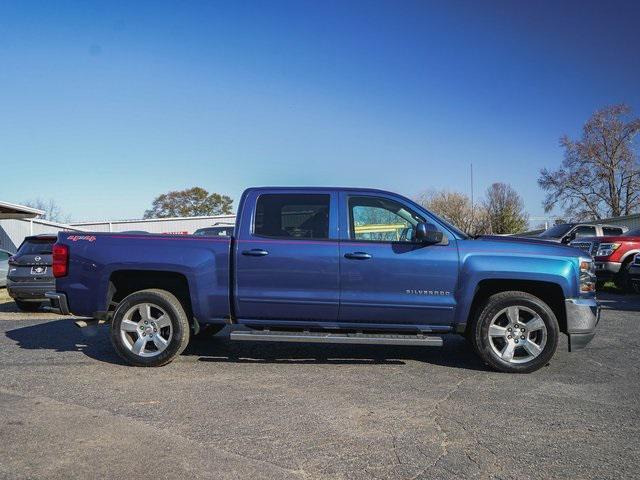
x=146 y=330
x=517 y=334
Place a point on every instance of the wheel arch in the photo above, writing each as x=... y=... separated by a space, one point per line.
x=125 y=282
x=551 y=293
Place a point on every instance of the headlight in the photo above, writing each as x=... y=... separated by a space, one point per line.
x=606 y=249
x=587 y=275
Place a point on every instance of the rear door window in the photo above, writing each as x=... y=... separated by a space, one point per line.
x=295 y=216
x=611 y=231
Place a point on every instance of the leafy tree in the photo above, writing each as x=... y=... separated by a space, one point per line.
x=505 y=209
x=600 y=175
x=52 y=211
x=192 y=202
x=456 y=208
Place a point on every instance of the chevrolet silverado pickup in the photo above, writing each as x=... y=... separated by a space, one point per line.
x=330 y=265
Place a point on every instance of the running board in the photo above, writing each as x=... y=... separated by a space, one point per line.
x=321 y=337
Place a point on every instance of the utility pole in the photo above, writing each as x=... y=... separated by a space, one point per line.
x=472 y=204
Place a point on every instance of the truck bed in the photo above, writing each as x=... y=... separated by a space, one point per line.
x=203 y=262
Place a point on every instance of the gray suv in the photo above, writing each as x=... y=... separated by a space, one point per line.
x=4 y=267
x=30 y=275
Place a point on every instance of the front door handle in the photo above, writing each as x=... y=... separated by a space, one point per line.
x=357 y=256
x=255 y=252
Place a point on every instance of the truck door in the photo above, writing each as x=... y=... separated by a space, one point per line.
x=287 y=256
x=386 y=277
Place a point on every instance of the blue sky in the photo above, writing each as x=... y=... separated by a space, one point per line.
x=104 y=105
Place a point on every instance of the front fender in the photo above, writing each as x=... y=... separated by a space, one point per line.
x=478 y=267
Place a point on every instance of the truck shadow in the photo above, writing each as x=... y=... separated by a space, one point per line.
x=454 y=353
x=94 y=342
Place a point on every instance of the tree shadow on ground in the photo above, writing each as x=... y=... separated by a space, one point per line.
x=619 y=301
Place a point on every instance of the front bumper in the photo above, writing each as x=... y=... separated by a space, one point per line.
x=607 y=270
x=29 y=290
x=583 y=314
x=58 y=303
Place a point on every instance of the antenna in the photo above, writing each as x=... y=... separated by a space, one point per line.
x=472 y=204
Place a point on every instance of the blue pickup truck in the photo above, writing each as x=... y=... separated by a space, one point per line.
x=332 y=265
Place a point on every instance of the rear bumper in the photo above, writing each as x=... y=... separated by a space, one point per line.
x=58 y=303
x=607 y=270
x=582 y=317
x=29 y=290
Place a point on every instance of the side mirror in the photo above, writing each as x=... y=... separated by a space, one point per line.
x=427 y=233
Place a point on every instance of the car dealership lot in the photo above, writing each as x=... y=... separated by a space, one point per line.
x=69 y=407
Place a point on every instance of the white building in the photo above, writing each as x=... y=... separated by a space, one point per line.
x=18 y=222
x=175 y=225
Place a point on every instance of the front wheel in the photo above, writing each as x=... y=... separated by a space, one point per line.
x=149 y=328
x=515 y=332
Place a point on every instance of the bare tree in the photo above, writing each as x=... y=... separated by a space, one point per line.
x=600 y=175
x=52 y=211
x=505 y=209
x=456 y=208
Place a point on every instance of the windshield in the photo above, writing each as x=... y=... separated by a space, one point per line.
x=557 y=231
x=36 y=247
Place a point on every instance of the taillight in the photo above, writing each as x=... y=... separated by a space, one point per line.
x=60 y=260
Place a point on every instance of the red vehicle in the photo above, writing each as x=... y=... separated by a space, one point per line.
x=614 y=256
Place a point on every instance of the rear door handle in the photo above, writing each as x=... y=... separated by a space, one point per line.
x=255 y=252
x=357 y=256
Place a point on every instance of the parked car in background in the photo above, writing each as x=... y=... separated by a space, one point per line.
x=567 y=232
x=30 y=275
x=613 y=256
x=4 y=267
x=634 y=273
x=217 y=230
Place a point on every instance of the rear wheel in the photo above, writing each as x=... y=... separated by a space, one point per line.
x=28 y=306
x=515 y=332
x=150 y=328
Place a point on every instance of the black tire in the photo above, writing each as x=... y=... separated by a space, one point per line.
x=623 y=279
x=28 y=306
x=179 y=324
x=479 y=333
x=600 y=285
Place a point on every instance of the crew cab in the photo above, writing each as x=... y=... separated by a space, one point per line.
x=614 y=255
x=330 y=265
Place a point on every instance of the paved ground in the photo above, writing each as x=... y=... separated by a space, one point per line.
x=69 y=408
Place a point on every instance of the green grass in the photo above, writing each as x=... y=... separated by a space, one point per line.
x=4 y=296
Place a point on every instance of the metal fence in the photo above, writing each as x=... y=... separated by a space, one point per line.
x=176 y=225
x=13 y=231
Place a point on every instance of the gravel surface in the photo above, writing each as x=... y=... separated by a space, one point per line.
x=69 y=408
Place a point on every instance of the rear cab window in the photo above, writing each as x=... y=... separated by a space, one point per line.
x=36 y=247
